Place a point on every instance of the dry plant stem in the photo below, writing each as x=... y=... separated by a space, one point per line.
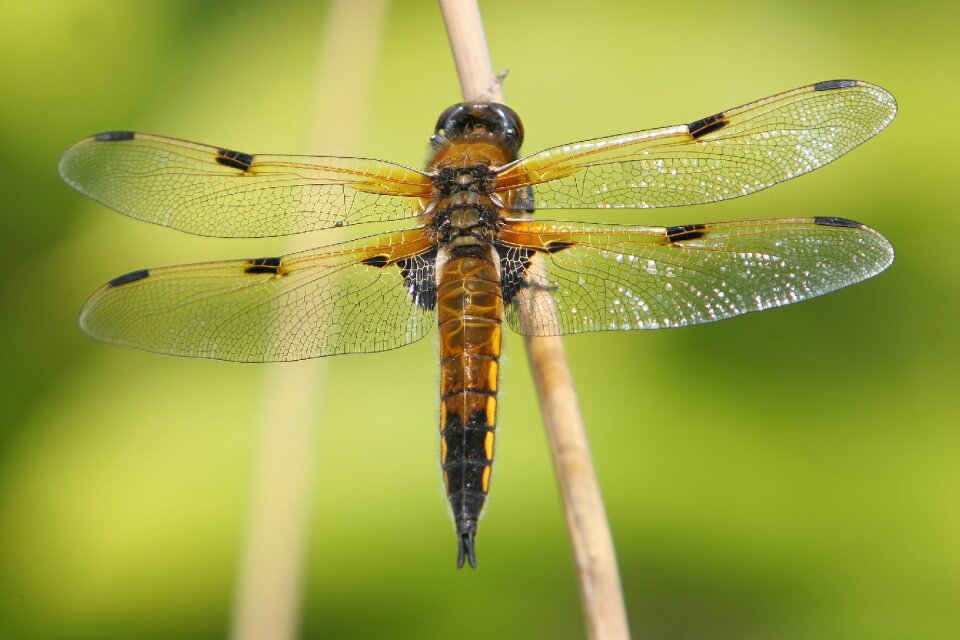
x=269 y=586
x=599 y=579
x=469 y=45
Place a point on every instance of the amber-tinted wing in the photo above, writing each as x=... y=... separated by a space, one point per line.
x=345 y=298
x=726 y=155
x=211 y=191
x=608 y=277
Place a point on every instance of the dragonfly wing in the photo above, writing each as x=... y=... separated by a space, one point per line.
x=581 y=277
x=211 y=191
x=726 y=155
x=373 y=294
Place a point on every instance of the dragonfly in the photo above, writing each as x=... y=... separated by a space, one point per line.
x=471 y=253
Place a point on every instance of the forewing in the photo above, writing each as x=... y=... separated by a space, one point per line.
x=726 y=155
x=583 y=277
x=211 y=191
x=345 y=298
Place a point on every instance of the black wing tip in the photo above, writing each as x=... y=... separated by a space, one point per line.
x=829 y=221
x=827 y=85
x=235 y=159
x=114 y=136
x=703 y=126
x=127 y=278
x=467 y=550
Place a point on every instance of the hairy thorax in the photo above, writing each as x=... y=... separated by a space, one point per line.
x=465 y=213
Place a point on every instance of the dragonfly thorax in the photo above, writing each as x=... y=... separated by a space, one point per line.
x=465 y=210
x=466 y=217
x=477 y=178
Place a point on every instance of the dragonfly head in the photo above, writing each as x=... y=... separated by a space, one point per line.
x=467 y=121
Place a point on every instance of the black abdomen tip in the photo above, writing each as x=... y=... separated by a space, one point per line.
x=467 y=550
x=114 y=136
x=127 y=278
x=828 y=221
x=834 y=84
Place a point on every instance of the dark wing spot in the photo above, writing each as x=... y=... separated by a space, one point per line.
x=114 y=136
x=263 y=265
x=127 y=278
x=558 y=245
x=837 y=222
x=513 y=270
x=376 y=261
x=707 y=125
x=235 y=159
x=686 y=232
x=419 y=276
x=834 y=84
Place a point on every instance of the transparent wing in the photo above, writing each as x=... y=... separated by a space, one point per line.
x=345 y=298
x=726 y=155
x=581 y=277
x=210 y=191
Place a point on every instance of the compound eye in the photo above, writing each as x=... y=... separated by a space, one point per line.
x=510 y=123
x=448 y=119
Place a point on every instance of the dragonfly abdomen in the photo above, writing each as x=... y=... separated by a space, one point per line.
x=470 y=309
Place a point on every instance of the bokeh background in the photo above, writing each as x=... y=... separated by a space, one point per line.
x=791 y=474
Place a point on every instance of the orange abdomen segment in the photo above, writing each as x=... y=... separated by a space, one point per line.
x=470 y=309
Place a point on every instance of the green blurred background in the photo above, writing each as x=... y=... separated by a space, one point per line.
x=791 y=474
